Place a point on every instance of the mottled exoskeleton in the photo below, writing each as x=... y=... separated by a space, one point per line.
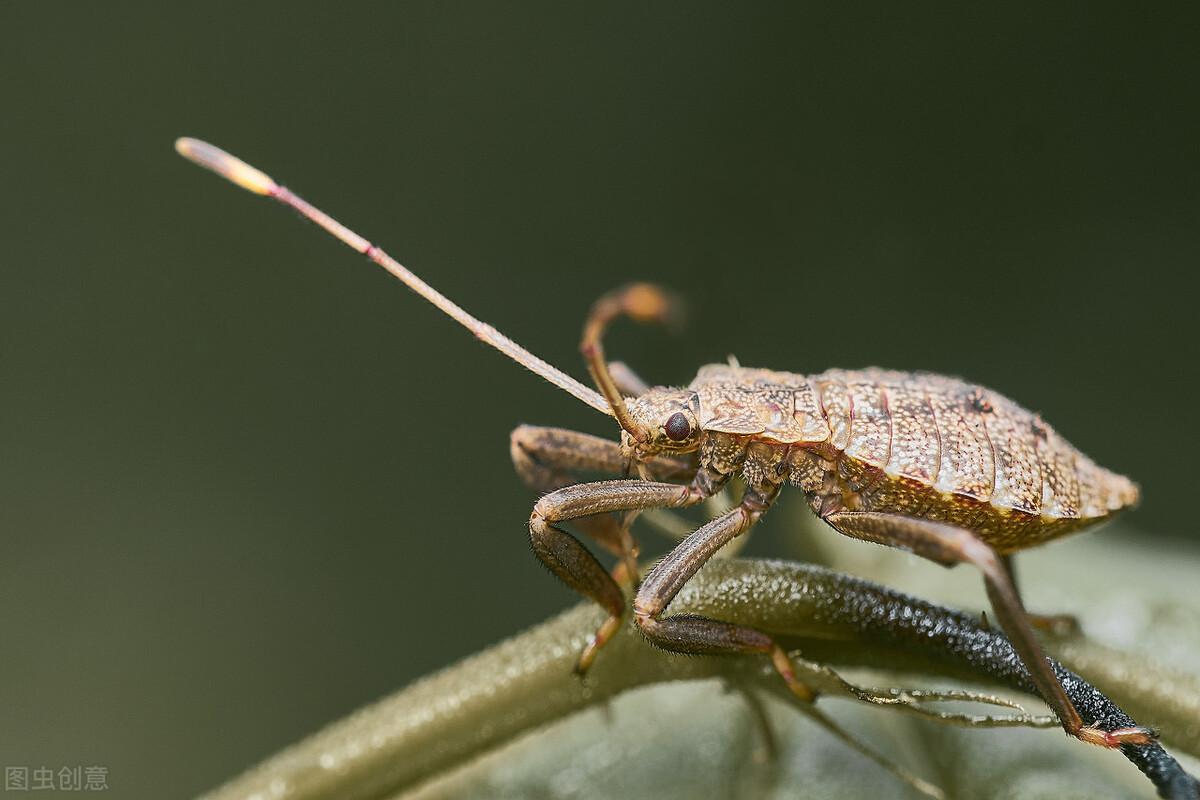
x=914 y=444
x=941 y=467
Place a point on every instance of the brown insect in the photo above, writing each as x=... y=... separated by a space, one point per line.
x=937 y=466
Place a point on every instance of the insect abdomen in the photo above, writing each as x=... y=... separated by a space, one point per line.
x=936 y=447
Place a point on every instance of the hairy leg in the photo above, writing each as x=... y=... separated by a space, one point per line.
x=1059 y=624
x=547 y=459
x=691 y=633
x=948 y=545
x=566 y=557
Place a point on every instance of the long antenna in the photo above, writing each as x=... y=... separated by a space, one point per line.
x=239 y=172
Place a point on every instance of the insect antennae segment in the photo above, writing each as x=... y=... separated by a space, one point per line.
x=643 y=302
x=253 y=180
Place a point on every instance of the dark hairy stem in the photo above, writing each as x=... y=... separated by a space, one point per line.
x=442 y=721
x=886 y=616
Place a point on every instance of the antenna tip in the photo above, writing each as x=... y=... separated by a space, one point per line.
x=229 y=167
x=646 y=302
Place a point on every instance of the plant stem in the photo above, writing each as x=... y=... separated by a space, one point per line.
x=447 y=718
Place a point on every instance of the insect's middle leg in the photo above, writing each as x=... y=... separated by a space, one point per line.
x=947 y=545
x=566 y=556
x=691 y=633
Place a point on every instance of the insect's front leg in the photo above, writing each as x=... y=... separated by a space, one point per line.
x=948 y=545
x=552 y=458
x=566 y=556
x=691 y=633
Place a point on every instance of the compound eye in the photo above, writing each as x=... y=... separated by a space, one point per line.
x=678 y=428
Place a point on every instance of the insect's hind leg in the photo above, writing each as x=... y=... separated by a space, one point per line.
x=691 y=633
x=1059 y=624
x=949 y=545
x=566 y=557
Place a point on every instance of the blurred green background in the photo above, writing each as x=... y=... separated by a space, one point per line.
x=249 y=483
